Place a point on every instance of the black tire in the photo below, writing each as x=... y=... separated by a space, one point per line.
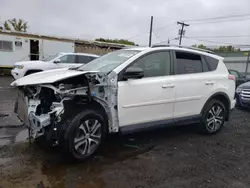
x=72 y=129
x=207 y=119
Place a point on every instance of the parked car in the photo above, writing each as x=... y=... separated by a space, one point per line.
x=126 y=91
x=240 y=78
x=60 y=60
x=243 y=95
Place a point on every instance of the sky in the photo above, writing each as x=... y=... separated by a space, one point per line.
x=130 y=19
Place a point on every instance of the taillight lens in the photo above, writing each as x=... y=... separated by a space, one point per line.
x=231 y=77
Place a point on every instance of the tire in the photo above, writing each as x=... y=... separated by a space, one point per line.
x=213 y=117
x=83 y=135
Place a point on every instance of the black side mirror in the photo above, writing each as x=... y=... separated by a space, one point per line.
x=57 y=61
x=133 y=73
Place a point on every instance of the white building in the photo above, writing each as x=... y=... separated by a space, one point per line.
x=19 y=46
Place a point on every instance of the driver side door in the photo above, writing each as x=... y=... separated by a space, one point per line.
x=149 y=100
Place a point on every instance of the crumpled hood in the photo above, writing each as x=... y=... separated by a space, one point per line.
x=28 y=62
x=47 y=77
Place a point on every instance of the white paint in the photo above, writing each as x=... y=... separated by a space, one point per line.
x=18 y=54
x=144 y=100
x=46 y=48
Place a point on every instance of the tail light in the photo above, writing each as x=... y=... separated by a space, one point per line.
x=231 y=77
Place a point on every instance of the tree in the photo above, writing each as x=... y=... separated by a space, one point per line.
x=17 y=25
x=118 y=41
x=219 y=49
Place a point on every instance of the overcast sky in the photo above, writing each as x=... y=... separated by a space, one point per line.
x=129 y=19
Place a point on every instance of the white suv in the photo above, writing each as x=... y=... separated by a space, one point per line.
x=126 y=91
x=60 y=60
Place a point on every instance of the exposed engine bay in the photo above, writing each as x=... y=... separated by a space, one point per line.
x=48 y=105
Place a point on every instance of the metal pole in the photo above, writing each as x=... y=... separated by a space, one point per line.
x=150 y=32
x=182 y=28
x=247 y=63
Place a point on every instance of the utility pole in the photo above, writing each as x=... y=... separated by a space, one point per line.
x=181 y=33
x=150 y=31
x=248 y=55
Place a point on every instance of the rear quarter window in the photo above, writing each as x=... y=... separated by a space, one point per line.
x=211 y=62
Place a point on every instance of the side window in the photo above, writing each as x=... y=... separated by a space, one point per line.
x=68 y=59
x=6 y=46
x=155 y=64
x=212 y=62
x=83 y=59
x=188 y=63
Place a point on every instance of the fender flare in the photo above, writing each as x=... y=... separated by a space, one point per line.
x=214 y=96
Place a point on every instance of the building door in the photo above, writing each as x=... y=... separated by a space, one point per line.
x=34 y=50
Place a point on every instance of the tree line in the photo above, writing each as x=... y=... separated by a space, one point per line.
x=218 y=49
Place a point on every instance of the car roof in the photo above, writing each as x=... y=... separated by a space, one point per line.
x=179 y=48
x=84 y=54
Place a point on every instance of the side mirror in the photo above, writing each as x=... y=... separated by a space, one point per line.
x=133 y=73
x=57 y=61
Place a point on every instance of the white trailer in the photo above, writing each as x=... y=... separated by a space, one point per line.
x=16 y=46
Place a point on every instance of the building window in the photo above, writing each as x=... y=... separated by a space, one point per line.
x=6 y=45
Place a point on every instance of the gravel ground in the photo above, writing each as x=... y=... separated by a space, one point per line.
x=172 y=157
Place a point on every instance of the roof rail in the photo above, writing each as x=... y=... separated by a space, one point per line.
x=187 y=47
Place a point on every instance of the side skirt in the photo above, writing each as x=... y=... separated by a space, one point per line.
x=159 y=124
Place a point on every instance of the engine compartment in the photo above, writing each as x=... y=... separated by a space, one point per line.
x=50 y=104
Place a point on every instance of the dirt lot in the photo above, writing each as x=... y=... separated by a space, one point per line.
x=172 y=157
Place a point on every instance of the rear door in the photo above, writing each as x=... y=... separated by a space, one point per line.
x=193 y=82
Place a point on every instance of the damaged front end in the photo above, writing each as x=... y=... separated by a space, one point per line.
x=45 y=107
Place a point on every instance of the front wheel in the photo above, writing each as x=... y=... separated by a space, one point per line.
x=83 y=135
x=213 y=117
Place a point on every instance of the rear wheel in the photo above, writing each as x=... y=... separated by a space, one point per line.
x=213 y=117
x=83 y=135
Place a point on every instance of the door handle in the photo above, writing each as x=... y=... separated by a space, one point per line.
x=167 y=86
x=209 y=83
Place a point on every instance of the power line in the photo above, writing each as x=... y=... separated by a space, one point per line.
x=232 y=36
x=215 y=42
x=157 y=28
x=157 y=36
x=221 y=21
x=219 y=17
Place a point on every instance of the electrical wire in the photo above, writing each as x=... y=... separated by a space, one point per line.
x=210 y=37
x=217 y=18
x=220 y=21
x=209 y=41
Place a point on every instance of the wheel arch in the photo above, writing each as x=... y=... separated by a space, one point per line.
x=223 y=97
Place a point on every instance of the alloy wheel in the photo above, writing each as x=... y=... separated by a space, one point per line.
x=215 y=118
x=88 y=137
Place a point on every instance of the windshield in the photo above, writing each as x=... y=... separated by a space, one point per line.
x=49 y=58
x=109 y=62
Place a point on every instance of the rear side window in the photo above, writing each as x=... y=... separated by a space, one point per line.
x=84 y=59
x=211 y=62
x=187 y=63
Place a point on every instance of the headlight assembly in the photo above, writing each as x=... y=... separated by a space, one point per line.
x=239 y=89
